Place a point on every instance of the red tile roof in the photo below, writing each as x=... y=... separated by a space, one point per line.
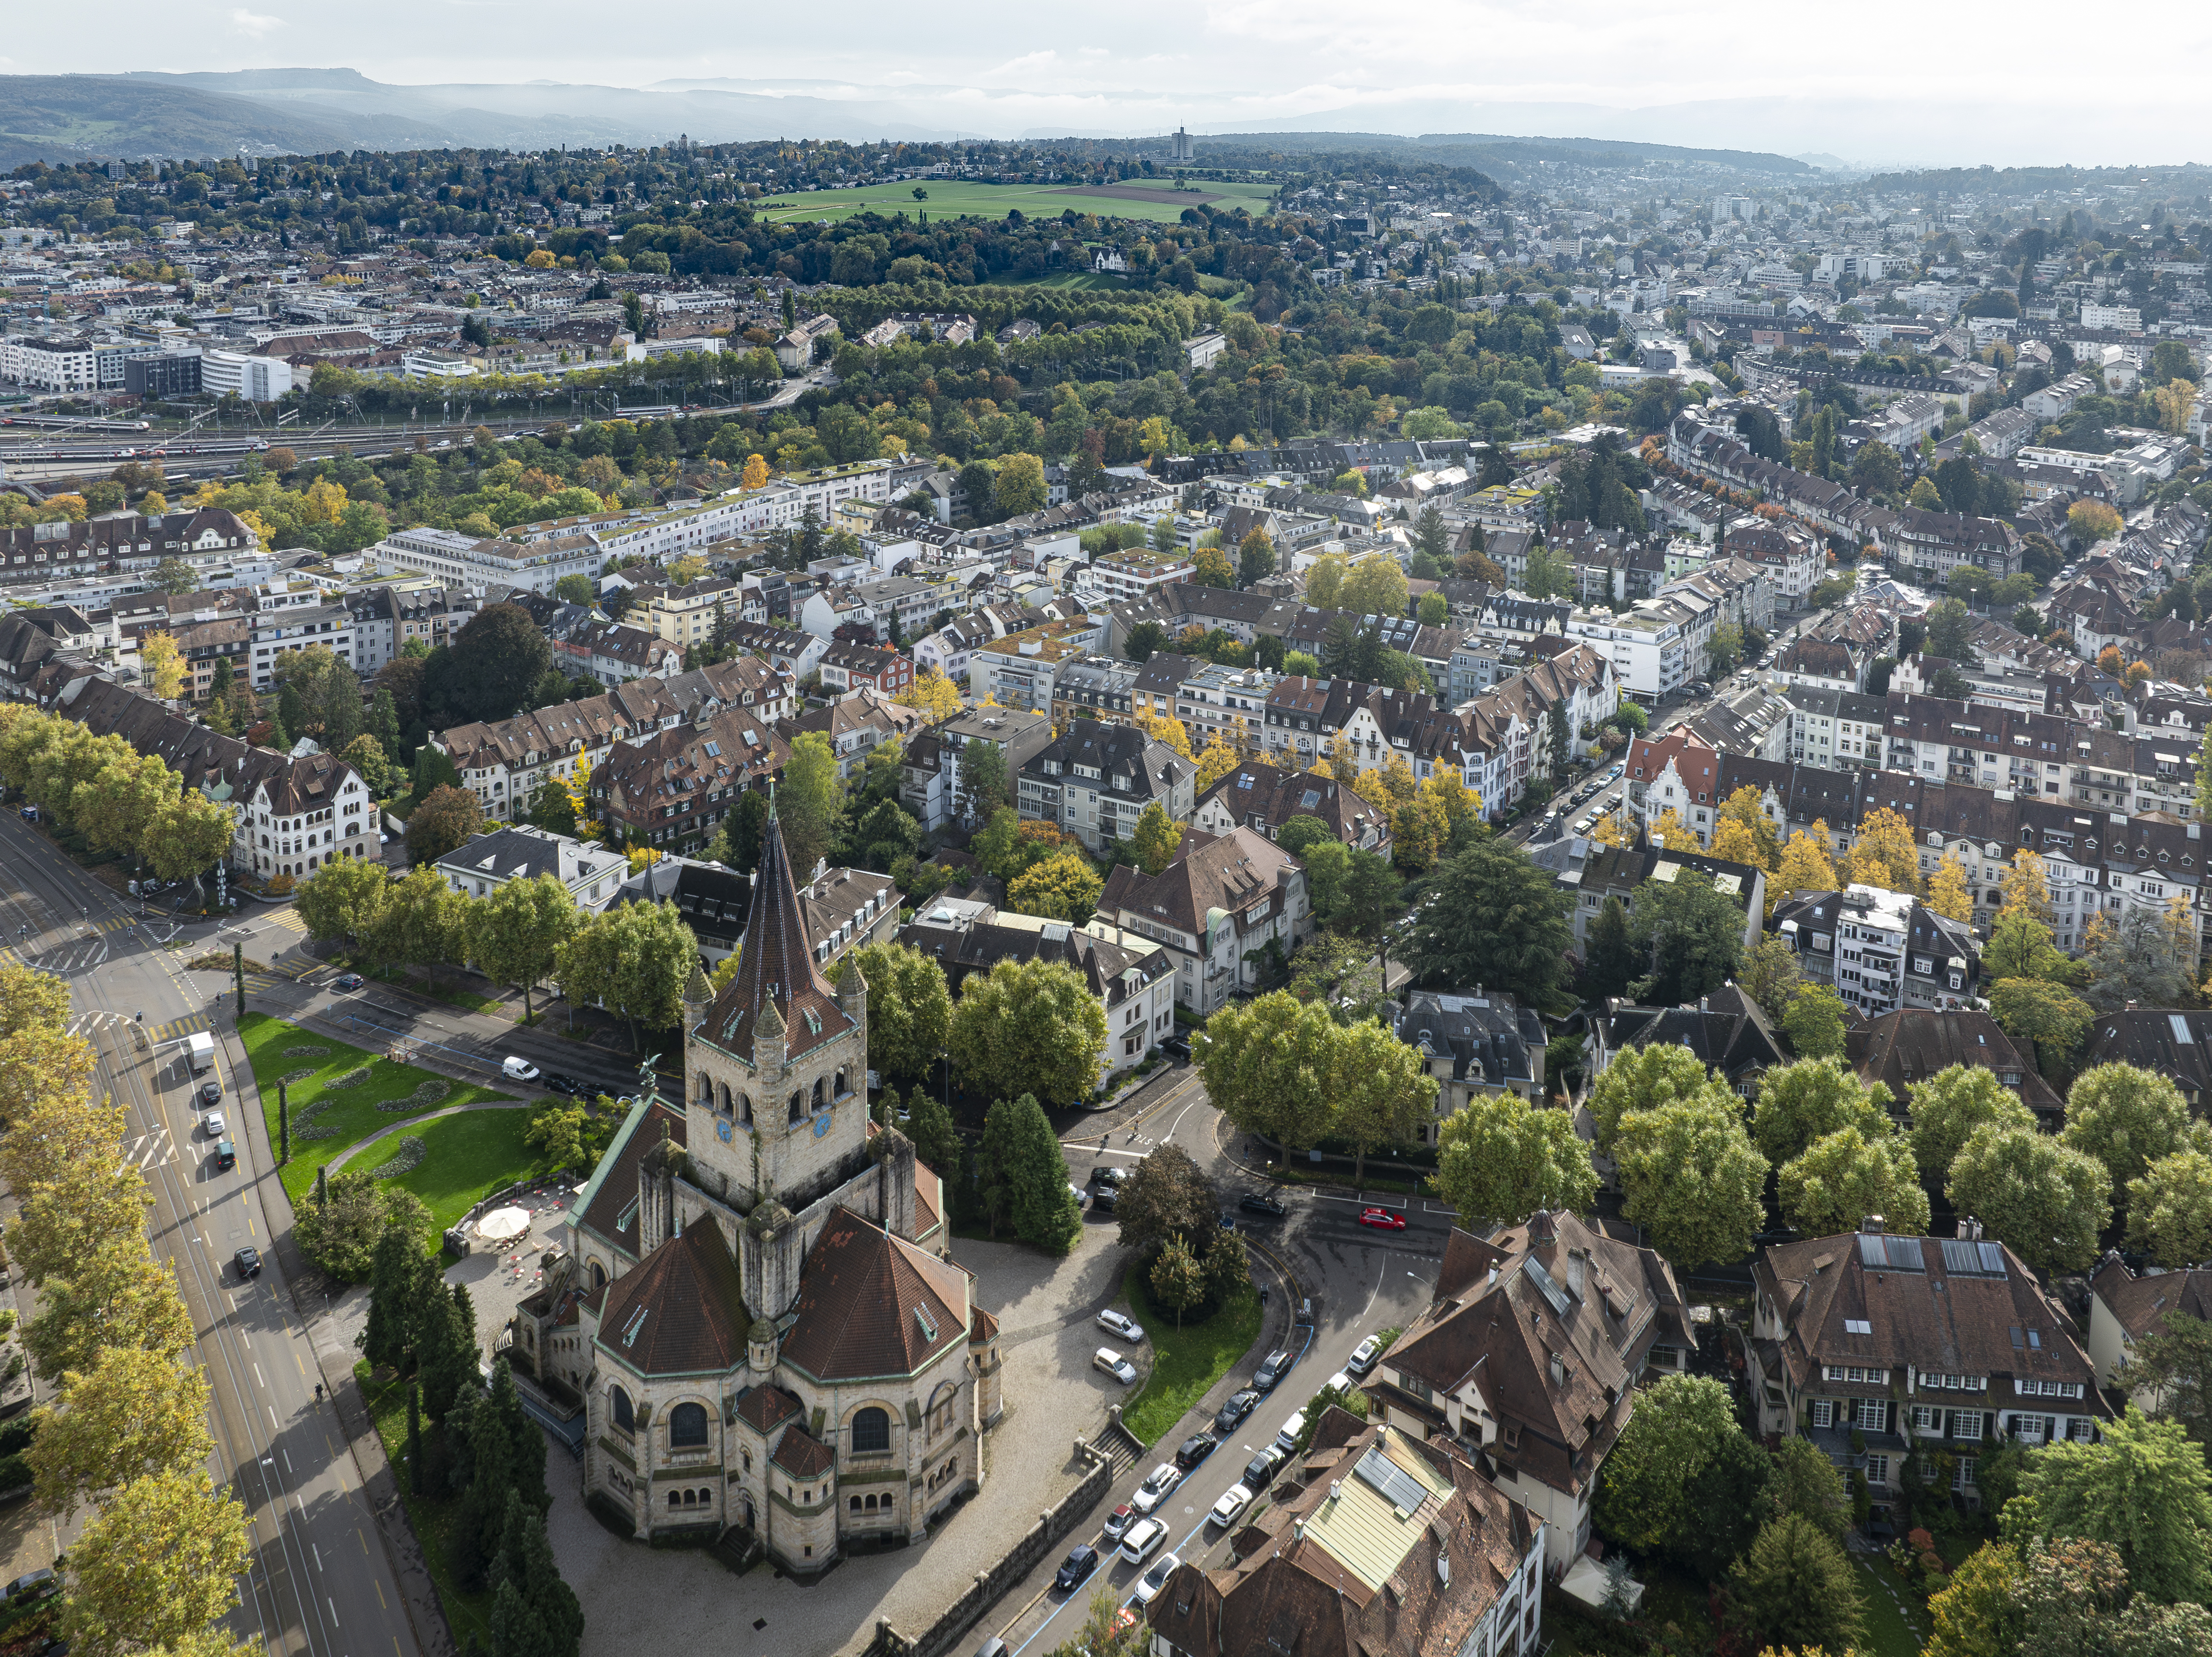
x=777 y=969
x=681 y=1313
x=871 y=1303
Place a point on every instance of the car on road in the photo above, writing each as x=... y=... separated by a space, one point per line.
x=519 y=1069
x=1155 y=1488
x=1364 y=1354
x=1108 y=1197
x=1272 y=1369
x=248 y=1261
x=1260 y=1472
x=1118 y=1522
x=34 y=1585
x=1227 y=1221
x=562 y=1082
x=1611 y=775
x=1115 y=1364
x=1075 y=1570
x=1150 y=1584
x=1233 y=1502
x=1255 y=1201
x=213 y=1124
x=210 y=1092
x=1176 y=1046
x=1381 y=1220
x=1143 y=1540
x=1120 y=1326
x=1195 y=1449
x=346 y=983
x=1233 y=1409
x=1114 y=1177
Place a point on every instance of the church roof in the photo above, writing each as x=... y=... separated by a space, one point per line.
x=801 y=1455
x=608 y=1207
x=680 y=1312
x=871 y=1303
x=778 y=987
x=761 y=1407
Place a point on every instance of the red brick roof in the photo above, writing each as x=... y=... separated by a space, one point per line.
x=681 y=1313
x=871 y=1303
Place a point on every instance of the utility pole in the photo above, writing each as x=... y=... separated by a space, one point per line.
x=238 y=974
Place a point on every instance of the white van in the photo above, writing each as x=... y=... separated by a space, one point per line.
x=1287 y=1440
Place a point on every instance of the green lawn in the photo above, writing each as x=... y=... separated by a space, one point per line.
x=469 y=1614
x=1889 y=1632
x=962 y=197
x=467 y=1155
x=1079 y=281
x=1186 y=1362
x=351 y=1114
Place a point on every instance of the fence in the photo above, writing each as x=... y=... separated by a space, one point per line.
x=990 y=1586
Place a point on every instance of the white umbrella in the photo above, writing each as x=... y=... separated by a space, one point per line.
x=502 y=1225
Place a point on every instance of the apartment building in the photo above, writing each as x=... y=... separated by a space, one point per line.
x=466 y=561
x=1836 y=729
x=1657 y=646
x=1020 y=670
x=1095 y=780
x=672 y=788
x=591 y=874
x=931 y=787
x=1880 y=950
x=1218 y=908
x=385 y=619
x=277 y=634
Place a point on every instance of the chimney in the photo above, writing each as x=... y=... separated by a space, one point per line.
x=1335 y=1489
x=1705 y=1003
x=1974 y=1227
x=2131 y=1006
x=1871 y=1226
x=1962 y=1231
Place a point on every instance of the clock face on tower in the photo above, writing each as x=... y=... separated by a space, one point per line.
x=722 y=1129
x=822 y=1124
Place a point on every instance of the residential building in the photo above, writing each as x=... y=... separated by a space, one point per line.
x=277 y=634
x=1020 y=670
x=1880 y=950
x=1223 y=901
x=1836 y=729
x=1908 y=1045
x=671 y=790
x=1527 y=1358
x=384 y=618
x=2175 y=1044
x=1656 y=645
x=711 y=900
x=688 y=615
x=1474 y=1044
x=1096 y=781
x=467 y=561
x=1620 y=871
x=1876 y=1347
x=591 y=874
x=1096 y=687
x=2125 y=1308
x=865 y=670
x=1265 y=798
x=848 y=909
x=1327 y=1569
x=930 y=786
x=1727 y=1031
x=856 y=726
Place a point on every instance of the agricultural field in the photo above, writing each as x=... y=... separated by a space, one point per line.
x=965 y=198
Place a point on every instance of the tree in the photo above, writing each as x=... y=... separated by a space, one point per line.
x=1256 y=557
x=1690 y=1177
x=1948 y=894
x=342 y=899
x=2090 y=521
x=811 y=803
x=1156 y=838
x=2020 y=946
x=2144 y=1490
x=2046 y=1201
x=1810 y=1100
x=909 y=1007
x=1816 y=1022
x=1795 y=1587
x=533 y=1612
x=135 y=1413
x=173 y=575
x=444 y=822
x=1177 y=1280
x=1842 y=1176
x=1804 y=865
x=1028 y=1028
x=1267 y=1064
x=1499 y=1158
x=1951 y=1105
x=2146 y=959
x=1061 y=888
x=2172 y=1361
x=2127 y=1118
x=422 y=921
x=1162 y=728
x=1375 y=586
x=340 y=1232
x=1167 y=1196
x=1950 y=632
x=157 y=1567
x=1678 y=1428
x=30 y=999
x=1022 y=1172
x=1691 y=935
x=113 y=1293
x=1496 y=920
x=1643 y=1079
x=984 y=787
x=2047 y=1017
x=187 y=834
x=1611 y=961
x=1884 y=854
x=161 y=665
x=2169 y=1209
x=1145 y=639
x=1019 y=488
x=1724 y=649
x=515 y=934
x=937 y=697
x=113 y=807
x=1381 y=1088
x=489 y=669
x=1770 y=976
x=1210 y=568
x=1218 y=758
x=1978 y=1614
x=634 y=961
x=1807 y=1484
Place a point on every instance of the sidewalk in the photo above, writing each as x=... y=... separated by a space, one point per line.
x=331 y=1337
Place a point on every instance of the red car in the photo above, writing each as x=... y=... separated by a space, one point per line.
x=1381 y=1219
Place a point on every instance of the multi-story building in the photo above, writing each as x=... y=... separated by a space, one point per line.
x=1656 y=645
x=1218 y=907
x=1095 y=780
x=671 y=790
x=851 y=670
x=688 y=615
x=591 y=874
x=1230 y=703
x=1132 y=572
x=467 y=561
x=278 y=633
x=1265 y=798
x=1840 y=730
x=1020 y=670
x=848 y=909
x=1096 y=687
x=931 y=785
x=1880 y=950
x=1878 y=1348
x=1474 y=1044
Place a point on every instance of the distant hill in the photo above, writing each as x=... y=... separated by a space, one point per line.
x=68 y=118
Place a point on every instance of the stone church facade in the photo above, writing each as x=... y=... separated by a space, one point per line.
x=758 y=1307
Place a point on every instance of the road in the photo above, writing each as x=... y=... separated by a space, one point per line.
x=1359 y=1280
x=320 y=1584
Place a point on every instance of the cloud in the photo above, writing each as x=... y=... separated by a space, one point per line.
x=252 y=24
x=1033 y=62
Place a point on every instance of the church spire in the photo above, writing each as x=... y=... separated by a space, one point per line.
x=778 y=996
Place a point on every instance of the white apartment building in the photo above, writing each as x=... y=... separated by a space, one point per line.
x=1656 y=647
x=463 y=561
x=57 y=364
x=1132 y=572
x=254 y=379
x=278 y=634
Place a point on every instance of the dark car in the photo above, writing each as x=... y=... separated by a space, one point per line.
x=1076 y=1569
x=1105 y=1196
x=211 y=1092
x=1257 y=1201
x=249 y=1261
x=1271 y=1372
x=347 y=982
x=1239 y=1405
x=41 y=1584
x=1227 y=1221
x=1195 y=1449
x=560 y=1083
x=1260 y=1469
x=1176 y=1046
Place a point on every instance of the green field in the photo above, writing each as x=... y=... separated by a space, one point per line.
x=1186 y=1362
x=964 y=198
x=1086 y=282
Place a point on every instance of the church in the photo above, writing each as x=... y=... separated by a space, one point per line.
x=758 y=1307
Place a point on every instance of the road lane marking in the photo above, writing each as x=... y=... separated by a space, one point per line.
x=300 y=1362
x=318 y=1552
x=258 y=1377
x=380 y=1605
x=362 y=1539
x=333 y=1605
x=287 y=1454
x=273 y=1426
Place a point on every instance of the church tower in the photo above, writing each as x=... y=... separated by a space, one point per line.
x=777 y=1062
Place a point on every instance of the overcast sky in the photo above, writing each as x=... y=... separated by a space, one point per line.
x=1879 y=81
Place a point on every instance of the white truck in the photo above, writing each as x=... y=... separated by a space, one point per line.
x=199 y=1048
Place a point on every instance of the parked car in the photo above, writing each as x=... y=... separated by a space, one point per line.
x=1075 y=1569
x=519 y=1069
x=347 y=983
x=1258 y=1201
x=1260 y=1472
x=34 y=1585
x=1287 y=1440
x=1108 y=1197
x=1227 y=1221
x=1115 y=1364
x=1150 y=1584
x=1120 y=1326
x=1118 y=1522
x=248 y=1261
x=1155 y=1488
x=1176 y=1046
x=1233 y=1502
x=1195 y=1449
x=1363 y=1355
x=562 y=1083
x=1234 y=1410
x=1381 y=1220
x=1143 y=1540
x=1273 y=1368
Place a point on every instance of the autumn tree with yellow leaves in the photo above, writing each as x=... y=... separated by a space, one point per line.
x=936 y=696
x=1948 y=894
x=1884 y=854
x=1161 y=729
x=161 y=665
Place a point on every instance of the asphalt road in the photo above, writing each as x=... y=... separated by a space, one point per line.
x=319 y=1585
x=1359 y=1280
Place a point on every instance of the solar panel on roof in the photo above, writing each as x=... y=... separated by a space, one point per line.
x=1992 y=1258
x=1960 y=1260
x=1391 y=1481
x=1904 y=1254
x=1871 y=1252
x=1552 y=1291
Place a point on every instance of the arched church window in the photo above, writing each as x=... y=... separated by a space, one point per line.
x=872 y=1431
x=687 y=1427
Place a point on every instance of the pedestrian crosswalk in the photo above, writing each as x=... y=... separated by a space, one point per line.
x=178 y=1027
x=63 y=959
x=288 y=919
x=149 y=1151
